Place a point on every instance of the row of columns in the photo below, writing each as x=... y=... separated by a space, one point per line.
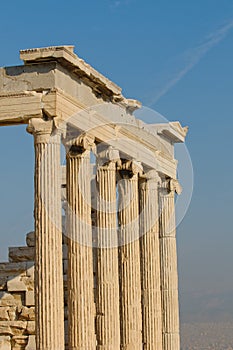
x=137 y=286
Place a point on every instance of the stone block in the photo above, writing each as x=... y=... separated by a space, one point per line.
x=13 y=328
x=30 y=239
x=4 y=315
x=29 y=283
x=16 y=284
x=12 y=313
x=8 y=313
x=5 y=328
x=19 y=342
x=19 y=297
x=26 y=313
x=13 y=269
x=7 y=299
x=31 y=343
x=30 y=298
x=18 y=254
x=31 y=327
x=5 y=342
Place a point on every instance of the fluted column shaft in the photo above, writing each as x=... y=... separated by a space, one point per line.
x=150 y=263
x=129 y=256
x=168 y=265
x=107 y=299
x=48 y=232
x=81 y=311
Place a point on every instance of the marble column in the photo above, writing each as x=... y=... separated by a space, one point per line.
x=48 y=235
x=129 y=256
x=81 y=310
x=107 y=298
x=168 y=265
x=150 y=262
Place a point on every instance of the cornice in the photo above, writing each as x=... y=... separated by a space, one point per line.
x=66 y=57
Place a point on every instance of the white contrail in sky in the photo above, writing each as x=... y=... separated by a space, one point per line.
x=193 y=56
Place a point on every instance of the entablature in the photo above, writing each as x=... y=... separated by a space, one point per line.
x=56 y=84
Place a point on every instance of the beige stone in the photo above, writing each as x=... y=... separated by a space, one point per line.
x=5 y=343
x=131 y=279
x=13 y=313
x=107 y=288
x=31 y=343
x=150 y=262
x=13 y=327
x=79 y=251
x=31 y=327
x=8 y=313
x=4 y=315
x=129 y=253
x=26 y=313
x=16 y=285
x=7 y=299
x=30 y=298
x=48 y=267
x=168 y=266
x=19 y=342
x=28 y=282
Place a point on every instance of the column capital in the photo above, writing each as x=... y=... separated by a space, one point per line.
x=78 y=145
x=41 y=129
x=131 y=168
x=108 y=155
x=85 y=141
x=150 y=180
x=172 y=186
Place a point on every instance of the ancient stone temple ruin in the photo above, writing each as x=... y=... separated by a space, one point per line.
x=99 y=271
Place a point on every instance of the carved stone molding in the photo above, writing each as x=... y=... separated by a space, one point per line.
x=168 y=185
x=150 y=179
x=108 y=155
x=129 y=168
x=41 y=129
x=79 y=145
x=174 y=186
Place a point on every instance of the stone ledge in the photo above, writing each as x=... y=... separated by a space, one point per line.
x=13 y=327
x=21 y=254
x=7 y=299
x=13 y=269
x=66 y=56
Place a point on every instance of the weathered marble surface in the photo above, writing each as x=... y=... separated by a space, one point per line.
x=123 y=294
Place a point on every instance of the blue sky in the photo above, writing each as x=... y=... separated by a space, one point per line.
x=175 y=57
